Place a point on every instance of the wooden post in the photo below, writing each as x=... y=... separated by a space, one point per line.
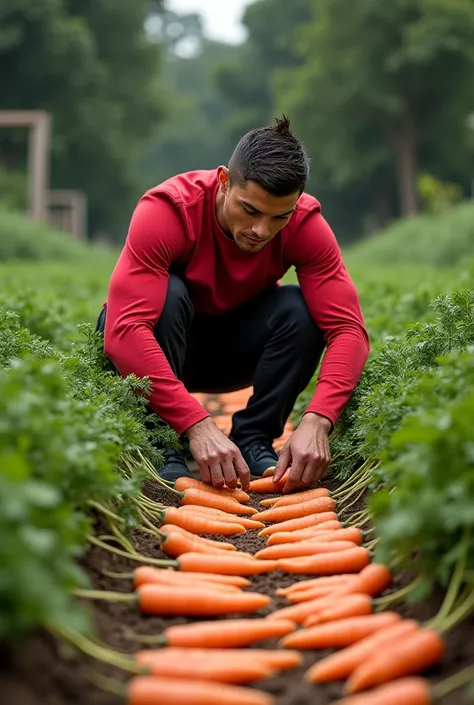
x=39 y=155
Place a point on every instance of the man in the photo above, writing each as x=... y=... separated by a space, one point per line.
x=194 y=303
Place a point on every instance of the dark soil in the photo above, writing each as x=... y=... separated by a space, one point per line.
x=40 y=673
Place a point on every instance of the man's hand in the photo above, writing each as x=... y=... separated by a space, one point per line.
x=219 y=460
x=306 y=452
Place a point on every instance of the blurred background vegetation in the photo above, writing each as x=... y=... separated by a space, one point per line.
x=381 y=93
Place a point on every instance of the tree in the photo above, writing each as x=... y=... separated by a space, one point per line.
x=93 y=67
x=192 y=136
x=247 y=82
x=378 y=80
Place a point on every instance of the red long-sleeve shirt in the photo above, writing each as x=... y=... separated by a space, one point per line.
x=175 y=225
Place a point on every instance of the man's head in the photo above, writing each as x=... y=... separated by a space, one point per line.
x=267 y=173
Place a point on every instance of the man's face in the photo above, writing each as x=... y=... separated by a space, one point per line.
x=252 y=215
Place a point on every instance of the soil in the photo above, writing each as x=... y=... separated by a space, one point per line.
x=41 y=673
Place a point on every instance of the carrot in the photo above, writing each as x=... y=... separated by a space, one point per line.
x=300 y=523
x=301 y=534
x=302 y=585
x=419 y=650
x=187 y=483
x=302 y=548
x=299 y=497
x=207 y=499
x=299 y=613
x=350 y=561
x=219 y=515
x=200 y=524
x=336 y=635
x=269 y=502
x=374 y=579
x=175 y=543
x=192 y=601
x=295 y=511
x=149 y=690
x=351 y=533
x=228 y=633
x=342 y=608
x=226 y=564
x=346 y=587
x=208 y=542
x=220 y=666
x=406 y=691
x=341 y=664
x=149 y=574
x=265 y=485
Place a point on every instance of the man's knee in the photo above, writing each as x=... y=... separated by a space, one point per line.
x=293 y=311
x=178 y=308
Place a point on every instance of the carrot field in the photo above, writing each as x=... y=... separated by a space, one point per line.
x=104 y=569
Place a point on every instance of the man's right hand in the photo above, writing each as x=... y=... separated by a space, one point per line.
x=219 y=460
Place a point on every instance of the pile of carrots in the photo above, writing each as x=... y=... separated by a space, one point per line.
x=377 y=652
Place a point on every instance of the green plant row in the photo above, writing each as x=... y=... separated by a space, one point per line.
x=68 y=429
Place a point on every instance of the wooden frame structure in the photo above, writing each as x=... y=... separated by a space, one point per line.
x=39 y=156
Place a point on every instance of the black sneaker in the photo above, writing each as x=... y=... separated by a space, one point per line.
x=259 y=456
x=175 y=465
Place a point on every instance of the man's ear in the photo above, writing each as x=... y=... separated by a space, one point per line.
x=223 y=178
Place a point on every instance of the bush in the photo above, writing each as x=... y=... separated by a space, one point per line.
x=440 y=240
x=22 y=239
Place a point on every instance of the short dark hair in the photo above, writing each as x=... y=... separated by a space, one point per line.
x=273 y=158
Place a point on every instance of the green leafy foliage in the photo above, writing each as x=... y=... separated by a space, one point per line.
x=426 y=509
x=66 y=425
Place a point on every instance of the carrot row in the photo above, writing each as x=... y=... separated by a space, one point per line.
x=204 y=661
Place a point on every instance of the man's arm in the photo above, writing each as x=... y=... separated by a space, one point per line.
x=136 y=297
x=333 y=301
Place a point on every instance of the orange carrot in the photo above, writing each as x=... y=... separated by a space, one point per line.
x=406 y=691
x=149 y=690
x=227 y=633
x=339 y=665
x=302 y=548
x=374 y=579
x=219 y=515
x=348 y=534
x=187 y=658
x=312 y=532
x=336 y=635
x=198 y=664
x=300 y=613
x=187 y=483
x=302 y=497
x=176 y=543
x=191 y=601
x=350 y=561
x=225 y=564
x=300 y=523
x=327 y=581
x=222 y=545
x=346 y=587
x=342 y=608
x=419 y=650
x=149 y=574
x=269 y=502
x=265 y=485
x=197 y=524
x=207 y=499
x=295 y=511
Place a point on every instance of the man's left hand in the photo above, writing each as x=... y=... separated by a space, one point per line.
x=306 y=453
